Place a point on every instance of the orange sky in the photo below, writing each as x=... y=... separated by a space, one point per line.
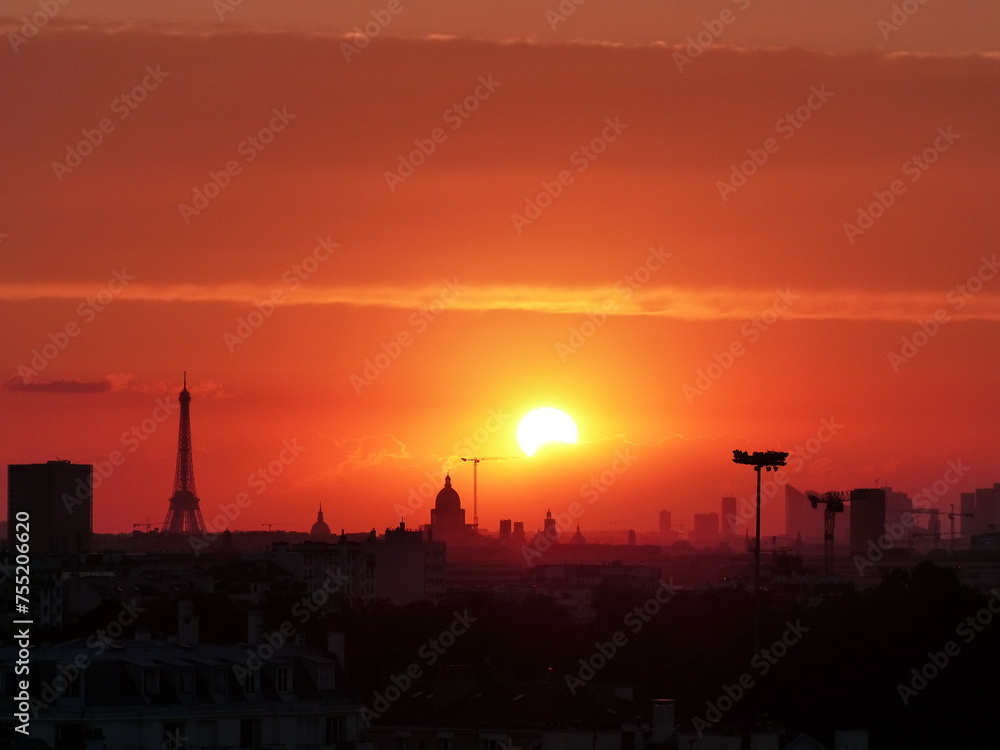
x=492 y=301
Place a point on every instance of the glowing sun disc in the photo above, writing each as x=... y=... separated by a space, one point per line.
x=545 y=425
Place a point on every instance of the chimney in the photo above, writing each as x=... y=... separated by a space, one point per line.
x=335 y=645
x=255 y=627
x=187 y=623
x=663 y=719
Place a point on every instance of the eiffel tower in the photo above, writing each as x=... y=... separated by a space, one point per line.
x=184 y=515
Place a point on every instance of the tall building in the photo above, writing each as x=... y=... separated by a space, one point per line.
x=184 y=514
x=896 y=504
x=664 y=523
x=867 y=518
x=58 y=498
x=706 y=528
x=987 y=507
x=729 y=522
x=801 y=518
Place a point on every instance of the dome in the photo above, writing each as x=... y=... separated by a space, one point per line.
x=320 y=528
x=447 y=499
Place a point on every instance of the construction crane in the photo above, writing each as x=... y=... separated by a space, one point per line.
x=951 y=517
x=935 y=528
x=475 y=485
x=146 y=525
x=834 y=502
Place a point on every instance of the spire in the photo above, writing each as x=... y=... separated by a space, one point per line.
x=184 y=514
x=319 y=516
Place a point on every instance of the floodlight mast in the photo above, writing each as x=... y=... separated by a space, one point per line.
x=770 y=461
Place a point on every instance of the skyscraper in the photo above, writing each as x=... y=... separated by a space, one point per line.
x=58 y=497
x=867 y=518
x=801 y=517
x=729 y=523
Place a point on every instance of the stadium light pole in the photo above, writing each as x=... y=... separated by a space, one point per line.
x=770 y=461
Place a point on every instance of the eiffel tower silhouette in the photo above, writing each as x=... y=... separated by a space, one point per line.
x=184 y=514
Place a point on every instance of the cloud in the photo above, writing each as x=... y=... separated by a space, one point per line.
x=365 y=452
x=666 y=302
x=64 y=385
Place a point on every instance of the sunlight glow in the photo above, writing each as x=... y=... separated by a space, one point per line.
x=545 y=425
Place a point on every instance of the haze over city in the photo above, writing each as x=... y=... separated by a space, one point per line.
x=692 y=229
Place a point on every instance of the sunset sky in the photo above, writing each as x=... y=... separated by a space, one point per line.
x=667 y=219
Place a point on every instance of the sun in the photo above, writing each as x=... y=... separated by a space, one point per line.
x=545 y=425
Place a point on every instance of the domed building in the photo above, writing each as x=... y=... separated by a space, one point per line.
x=320 y=529
x=448 y=517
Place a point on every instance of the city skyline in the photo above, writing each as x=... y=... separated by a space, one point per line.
x=375 y=257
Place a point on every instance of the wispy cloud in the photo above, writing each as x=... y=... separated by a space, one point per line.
x=668 y=302
x=57 y=386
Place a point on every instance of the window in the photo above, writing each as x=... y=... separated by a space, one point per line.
x=334 y=729
x=187 y=682
x=324 y=677
x=151 y=681
x=74 y=688
x=251 y=681
x=283 y=679
x=249 y=734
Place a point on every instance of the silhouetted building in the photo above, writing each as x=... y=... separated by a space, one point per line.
x=184 y=513
x=57 y=497
x=867 y=518
x=706 y=528
x=987 y=510
x=448 y=518
x=181 y=693
x=505 y=531
x=665 y=523
x=578 y=538
x=320 y=530
x=729 y=522
x=800 y=517
x=517 y=537
x=967 y=521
